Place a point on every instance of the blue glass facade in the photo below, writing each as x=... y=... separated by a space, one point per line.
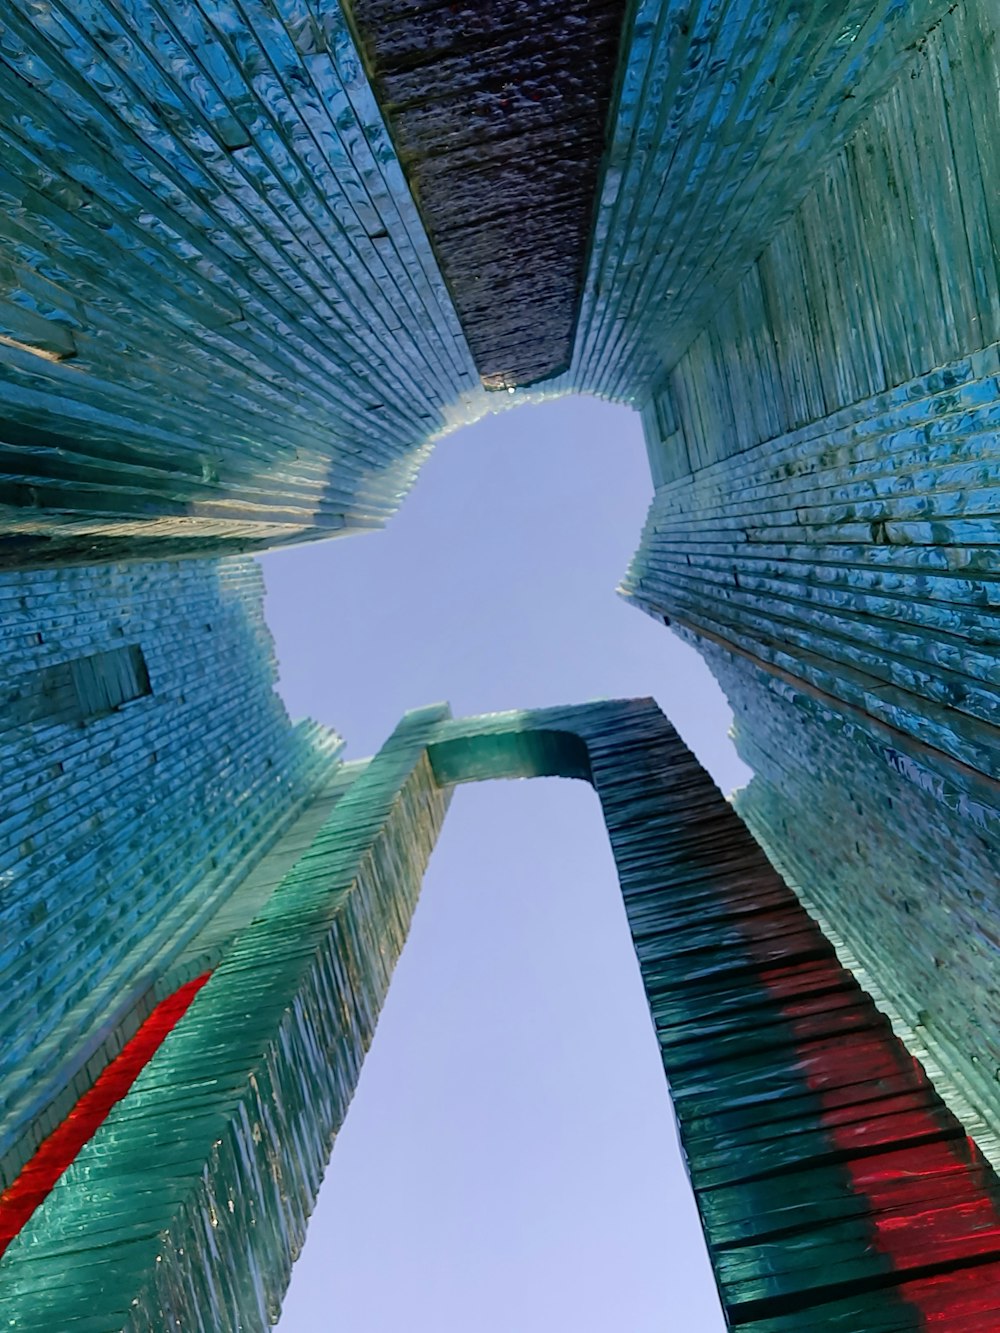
x=124 y=831
x=254 y=260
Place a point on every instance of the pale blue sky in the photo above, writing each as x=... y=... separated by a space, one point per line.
x=509 y=1164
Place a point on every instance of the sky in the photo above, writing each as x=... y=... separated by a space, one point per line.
x=509 y=1163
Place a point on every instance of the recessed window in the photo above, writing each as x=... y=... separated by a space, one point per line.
x=81 y=689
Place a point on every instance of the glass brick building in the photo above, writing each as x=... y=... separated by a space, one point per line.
x=255 y=259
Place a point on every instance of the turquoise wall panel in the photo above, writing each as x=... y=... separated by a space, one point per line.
x=825 y=451
x=727 y=111
x=222 y=324
x=193 y=1196
x=898 y=865
x=121 y=833
x=828 y=1174
x=857 y=554
x=825 y=523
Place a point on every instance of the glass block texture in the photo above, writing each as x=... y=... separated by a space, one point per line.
x=726 y=111
x=223 y=326
x=826 y=448
x=191 y=1200
x=825 y=525
x=834 y=1186
x=221 y=323
x=899 y=867
x=498 y=110
x=123 y=829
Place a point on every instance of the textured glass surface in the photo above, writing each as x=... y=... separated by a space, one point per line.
x=222 y=326
x=825 y=526
x=908 y=896
x=726 y=110
x=193 y=1196
x=828 y=1173
x=221 y=323
x=122 y=833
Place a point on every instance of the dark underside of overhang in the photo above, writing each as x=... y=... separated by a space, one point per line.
x=498 y=109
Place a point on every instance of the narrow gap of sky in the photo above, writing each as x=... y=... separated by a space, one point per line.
x=509 y=1163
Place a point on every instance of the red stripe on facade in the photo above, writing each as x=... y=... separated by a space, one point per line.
x=930 y=1228
x=59 y=1150
x=928 y=1187
x=967 y=1301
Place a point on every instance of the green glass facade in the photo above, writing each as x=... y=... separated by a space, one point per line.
x=830 y=1177
x=254 y=260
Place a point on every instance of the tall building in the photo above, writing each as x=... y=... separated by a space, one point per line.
x=254 y=260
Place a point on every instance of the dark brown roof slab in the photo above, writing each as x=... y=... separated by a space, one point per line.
x=498 y=110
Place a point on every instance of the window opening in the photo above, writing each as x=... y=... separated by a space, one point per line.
x=82 y=689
